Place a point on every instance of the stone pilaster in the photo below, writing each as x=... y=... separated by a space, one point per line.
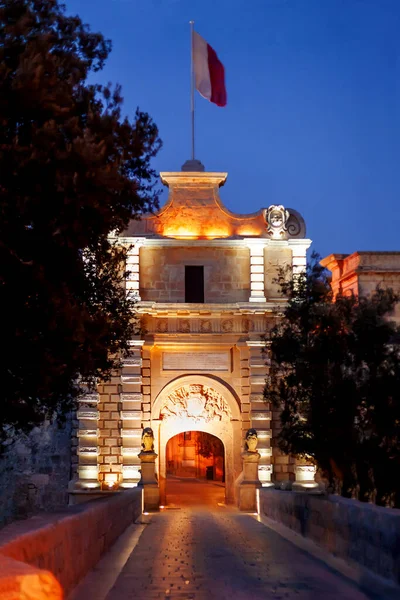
x=244 y=386
x=110 y=437
x=88 y=442
x=257 y=286
x=133 y=268
x=299 y=254
x=260 y=414
x=131 y=398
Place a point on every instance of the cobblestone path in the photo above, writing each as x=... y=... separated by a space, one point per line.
x=219 y=553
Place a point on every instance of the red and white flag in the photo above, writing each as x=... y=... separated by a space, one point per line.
x=209 y=72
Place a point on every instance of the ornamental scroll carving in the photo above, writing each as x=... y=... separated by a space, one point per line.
x=283 y=223
x=197 y=402
x=276 y=217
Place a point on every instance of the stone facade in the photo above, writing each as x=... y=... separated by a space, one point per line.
x=35 y=471
x=197 y=366
x=361 y=272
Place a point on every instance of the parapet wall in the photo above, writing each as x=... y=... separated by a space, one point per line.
x=70 y=544
x=363 y=533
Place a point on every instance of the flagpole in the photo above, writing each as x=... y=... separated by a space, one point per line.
x=192 y=84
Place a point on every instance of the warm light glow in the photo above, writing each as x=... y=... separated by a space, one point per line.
x=130 y=451
x=90 y=486
x=248 y=231
x=145 y=513
x=88 y=472
x=197 y=231
x=212 y=233
x=181 y=232
x=162 y=507
x=111 y=480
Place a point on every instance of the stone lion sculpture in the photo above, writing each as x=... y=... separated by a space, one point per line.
x=148 y=439
x=251 y=440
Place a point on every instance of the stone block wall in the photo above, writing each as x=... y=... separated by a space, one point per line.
x=363 y=533
x=109 y=458
x=226 y=273
x=69 y=545
x=35 y=471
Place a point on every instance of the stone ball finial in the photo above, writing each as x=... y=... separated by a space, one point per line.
x=148 y=440
x=251 y=440
x=193 y=165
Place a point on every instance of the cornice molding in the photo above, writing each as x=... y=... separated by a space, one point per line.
x=181 y=309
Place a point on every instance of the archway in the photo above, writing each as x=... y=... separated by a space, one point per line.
x=195 y=470
x=198 y=403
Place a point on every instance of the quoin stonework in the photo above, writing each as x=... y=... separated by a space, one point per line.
x=204 y=281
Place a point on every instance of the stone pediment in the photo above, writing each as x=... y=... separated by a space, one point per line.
x=194 y=210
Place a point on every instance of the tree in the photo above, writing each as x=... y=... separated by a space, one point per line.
x=335 y=371
x=72 y=170
x=208 y=445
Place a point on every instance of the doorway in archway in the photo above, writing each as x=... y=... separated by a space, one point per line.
x=195 y=469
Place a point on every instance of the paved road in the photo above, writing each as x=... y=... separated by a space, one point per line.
x=214 y=552
x=182 y=492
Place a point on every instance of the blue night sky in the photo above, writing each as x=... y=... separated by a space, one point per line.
x=313 y=115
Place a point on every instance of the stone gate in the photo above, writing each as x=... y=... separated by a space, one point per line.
x=204 y=279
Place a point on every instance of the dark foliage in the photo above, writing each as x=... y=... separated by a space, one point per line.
x=335 y=371
x=208 y=445
x=72 y=171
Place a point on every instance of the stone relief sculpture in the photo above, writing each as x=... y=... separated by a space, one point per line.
x=248 y=325
x=148 y=440
x=276 y=218
x=251 y=440
x=227 y=326
x=184 y=326
x=205 y=326
x=198 y=402
x=162 y=325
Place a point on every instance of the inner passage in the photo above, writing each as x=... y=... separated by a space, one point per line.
x=195 y=469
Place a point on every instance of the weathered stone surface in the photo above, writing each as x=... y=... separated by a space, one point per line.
x=19 y=581
x=34 y=473
x=361 y=272
x=70 y=544
x=226 y=272
x=366 y=534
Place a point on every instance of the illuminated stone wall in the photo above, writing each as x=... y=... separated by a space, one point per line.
x=226 y=273
x=361 y=272
x=209 y=353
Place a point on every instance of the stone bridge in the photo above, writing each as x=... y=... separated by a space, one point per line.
x=295 y=545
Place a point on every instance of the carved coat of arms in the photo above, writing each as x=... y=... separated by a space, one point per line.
x=197 y=402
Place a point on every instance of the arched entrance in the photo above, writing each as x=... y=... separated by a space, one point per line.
x=198 y=403
x=195 y=470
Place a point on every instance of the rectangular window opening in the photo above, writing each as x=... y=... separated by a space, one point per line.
x=194 y=284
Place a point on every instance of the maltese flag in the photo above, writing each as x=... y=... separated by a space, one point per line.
x=209 y=72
